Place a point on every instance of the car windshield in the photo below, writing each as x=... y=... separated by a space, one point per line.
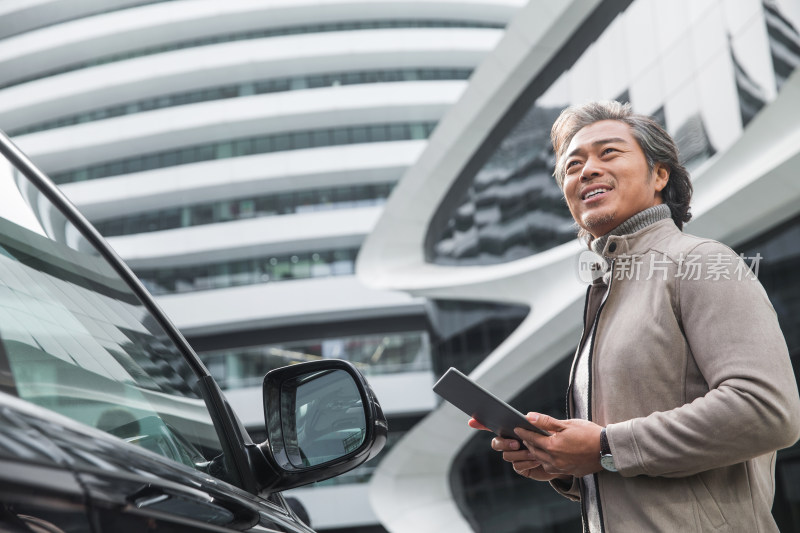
x=75 y=339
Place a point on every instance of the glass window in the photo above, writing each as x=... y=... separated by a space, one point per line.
x=224 y=211
x=223 y=150
x=203 y=214
x=285 y=202
x=377 y=353
x=243 y=147
x=239 y=147
x=321 y=138
x=204 y=153
x=282 y=142
x=298 y=83
x=359 y=134
x=304 y=199
x=340 y=136
x=263 y=145
x=266 y=205
x=133 y=165
x=169 y=159
x=316 y=81
x=76 y=340
x=418 y=131
x=170 y=218
x=320 y=269
x=378 y=133
x=301 y=140
x=281 y=270
x=115 y=168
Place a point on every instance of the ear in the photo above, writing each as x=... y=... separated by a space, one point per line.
x=660 y=176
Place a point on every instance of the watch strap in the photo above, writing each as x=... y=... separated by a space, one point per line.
x=605 y=449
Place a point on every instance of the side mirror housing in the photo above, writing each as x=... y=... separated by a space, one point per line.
x=322 y=419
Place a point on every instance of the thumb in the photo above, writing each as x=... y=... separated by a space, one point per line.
x=544 y=421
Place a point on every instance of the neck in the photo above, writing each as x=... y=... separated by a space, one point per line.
x=639 y=221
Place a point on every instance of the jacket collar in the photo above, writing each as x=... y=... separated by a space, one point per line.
x=640 y=241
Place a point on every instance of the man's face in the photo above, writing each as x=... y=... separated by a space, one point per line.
x=606 y=177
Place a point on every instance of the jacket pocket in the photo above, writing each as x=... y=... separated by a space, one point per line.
x=709 y=510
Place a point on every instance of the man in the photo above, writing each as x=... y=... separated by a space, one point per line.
x=681 y=389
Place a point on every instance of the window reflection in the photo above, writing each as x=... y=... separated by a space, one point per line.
x=373 y=354
x=784 y=42
x=465 y=332
x=513 y=207
x=75 y=339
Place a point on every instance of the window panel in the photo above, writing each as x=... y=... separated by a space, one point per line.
x=77 y=341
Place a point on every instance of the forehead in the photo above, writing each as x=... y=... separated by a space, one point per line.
x=599 y=132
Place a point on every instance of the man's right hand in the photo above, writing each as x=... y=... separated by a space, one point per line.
x=521 y=459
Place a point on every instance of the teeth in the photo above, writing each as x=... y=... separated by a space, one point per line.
x=594 y=193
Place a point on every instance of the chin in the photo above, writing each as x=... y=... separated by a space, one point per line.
x=595 y=224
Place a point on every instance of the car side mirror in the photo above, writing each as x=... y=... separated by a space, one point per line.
x=322 y=419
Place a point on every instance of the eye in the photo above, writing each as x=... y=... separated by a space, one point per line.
x=609 y=149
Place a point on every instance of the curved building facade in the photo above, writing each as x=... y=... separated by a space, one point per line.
x=479 y=221
x=236 y=154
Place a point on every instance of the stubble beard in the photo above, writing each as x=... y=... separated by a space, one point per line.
x=592 y=222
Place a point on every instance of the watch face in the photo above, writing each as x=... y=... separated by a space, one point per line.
x=607 y=462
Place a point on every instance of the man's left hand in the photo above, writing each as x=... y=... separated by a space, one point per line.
x=573 y=447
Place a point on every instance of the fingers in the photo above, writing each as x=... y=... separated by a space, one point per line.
x=530 y=436
x=506 y=445
x=534 y=470
x=545 y=422
x=522 y=455
x=477 y=425
x=523 y=467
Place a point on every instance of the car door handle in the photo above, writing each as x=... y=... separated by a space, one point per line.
x=186 y=503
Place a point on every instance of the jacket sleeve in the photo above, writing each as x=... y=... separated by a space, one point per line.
x=752 y=405
x=568 y=489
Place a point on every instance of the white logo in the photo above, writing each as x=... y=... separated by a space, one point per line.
x=590 y=266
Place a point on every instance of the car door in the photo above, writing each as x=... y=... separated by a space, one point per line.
x=38 y=492
x=147 y=436
x=130 y=489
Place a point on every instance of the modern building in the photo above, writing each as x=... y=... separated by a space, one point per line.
x=236 y=154
x=477 y=225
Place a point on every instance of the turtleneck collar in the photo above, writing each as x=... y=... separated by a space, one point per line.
x=639 y=221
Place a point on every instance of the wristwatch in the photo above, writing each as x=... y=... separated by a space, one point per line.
x=606 y=459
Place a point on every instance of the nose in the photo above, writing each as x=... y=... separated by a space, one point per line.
x=591 y=169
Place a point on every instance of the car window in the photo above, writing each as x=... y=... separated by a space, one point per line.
x=75 y=339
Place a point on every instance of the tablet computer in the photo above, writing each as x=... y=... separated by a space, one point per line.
x=482 y=405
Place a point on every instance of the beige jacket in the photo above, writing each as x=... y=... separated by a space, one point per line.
x=693 y=380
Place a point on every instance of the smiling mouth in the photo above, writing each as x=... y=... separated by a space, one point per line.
x=594 y=193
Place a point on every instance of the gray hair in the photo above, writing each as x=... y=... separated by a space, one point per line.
x=657 y=145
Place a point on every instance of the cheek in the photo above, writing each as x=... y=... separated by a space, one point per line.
x=570 y=199
x=570 y=190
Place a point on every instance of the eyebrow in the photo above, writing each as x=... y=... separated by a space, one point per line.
x=599 y=143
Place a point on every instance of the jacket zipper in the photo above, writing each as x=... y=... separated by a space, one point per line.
x=593 y=332
x=578 y=353
x=591 y=372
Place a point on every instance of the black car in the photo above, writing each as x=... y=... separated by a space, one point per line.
x=108 y=420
